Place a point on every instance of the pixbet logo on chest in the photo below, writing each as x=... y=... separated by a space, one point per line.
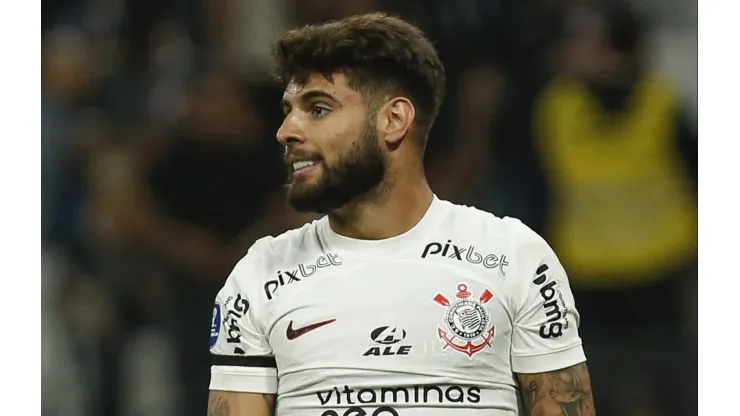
x=451 y=251
x=304 y=270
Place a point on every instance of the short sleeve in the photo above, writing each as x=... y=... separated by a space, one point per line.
x=545 y=328
x=243 y=360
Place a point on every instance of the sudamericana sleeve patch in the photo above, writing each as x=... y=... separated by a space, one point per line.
x=215 y=323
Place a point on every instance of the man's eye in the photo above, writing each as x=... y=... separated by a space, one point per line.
x=319 y=111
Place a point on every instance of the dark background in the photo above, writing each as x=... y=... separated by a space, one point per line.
x=160 y=168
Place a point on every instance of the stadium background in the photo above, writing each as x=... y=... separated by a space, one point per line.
x=160 y=167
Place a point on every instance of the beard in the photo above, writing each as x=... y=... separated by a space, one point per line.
x=356 y=173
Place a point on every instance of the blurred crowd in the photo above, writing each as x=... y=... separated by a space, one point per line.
x=160 y=167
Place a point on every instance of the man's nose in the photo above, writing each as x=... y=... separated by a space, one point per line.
x=289 y=133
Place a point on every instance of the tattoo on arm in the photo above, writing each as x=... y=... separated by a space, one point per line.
x=218 y=406
x=565 y=392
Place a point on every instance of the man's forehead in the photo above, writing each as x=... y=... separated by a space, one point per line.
x=337 y=86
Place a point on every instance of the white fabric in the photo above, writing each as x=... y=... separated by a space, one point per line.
x=438 y=319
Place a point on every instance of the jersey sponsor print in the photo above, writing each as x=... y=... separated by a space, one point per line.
x=433 y=322
x=385 y=400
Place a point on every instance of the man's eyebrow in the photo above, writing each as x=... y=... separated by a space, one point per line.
x=311 y=95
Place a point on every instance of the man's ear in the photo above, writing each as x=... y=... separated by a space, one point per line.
x=395 y=119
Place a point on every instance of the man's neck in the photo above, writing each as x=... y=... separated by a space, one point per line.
x=390 y=211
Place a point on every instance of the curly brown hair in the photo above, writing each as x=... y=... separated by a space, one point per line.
x=382 y=56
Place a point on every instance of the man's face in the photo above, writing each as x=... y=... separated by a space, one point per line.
x=332 y=149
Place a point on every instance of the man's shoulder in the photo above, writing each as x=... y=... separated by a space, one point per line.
x=504 y=241
x=475 y=221
x=271 y=252
x=303 y=238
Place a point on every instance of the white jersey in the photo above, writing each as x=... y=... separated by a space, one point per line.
x=436 y=321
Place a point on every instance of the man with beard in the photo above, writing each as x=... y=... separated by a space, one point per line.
x=395 y=302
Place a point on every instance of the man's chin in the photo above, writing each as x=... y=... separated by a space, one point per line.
x=308 y=206
x=306 y=198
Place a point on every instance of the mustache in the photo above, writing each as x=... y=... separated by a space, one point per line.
x=300 y=154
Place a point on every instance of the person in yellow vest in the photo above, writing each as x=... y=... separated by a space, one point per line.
x=619 y=164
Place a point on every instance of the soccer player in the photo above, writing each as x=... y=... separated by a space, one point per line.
x=395 y=302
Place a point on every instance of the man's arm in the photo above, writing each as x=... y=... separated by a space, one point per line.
x=565 y=392
x=546 y=350
x=244 y=370
x=228 y=403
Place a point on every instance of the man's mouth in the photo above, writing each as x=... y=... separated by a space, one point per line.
x=303 y=167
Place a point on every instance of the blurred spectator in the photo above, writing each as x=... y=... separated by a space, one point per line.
x=66 y=79
x=619 y=207
x=213 y=179
x=208 y=194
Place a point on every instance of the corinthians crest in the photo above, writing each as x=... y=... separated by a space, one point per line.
x=467 y=321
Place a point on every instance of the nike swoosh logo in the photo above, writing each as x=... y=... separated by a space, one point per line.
x=295 y=333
